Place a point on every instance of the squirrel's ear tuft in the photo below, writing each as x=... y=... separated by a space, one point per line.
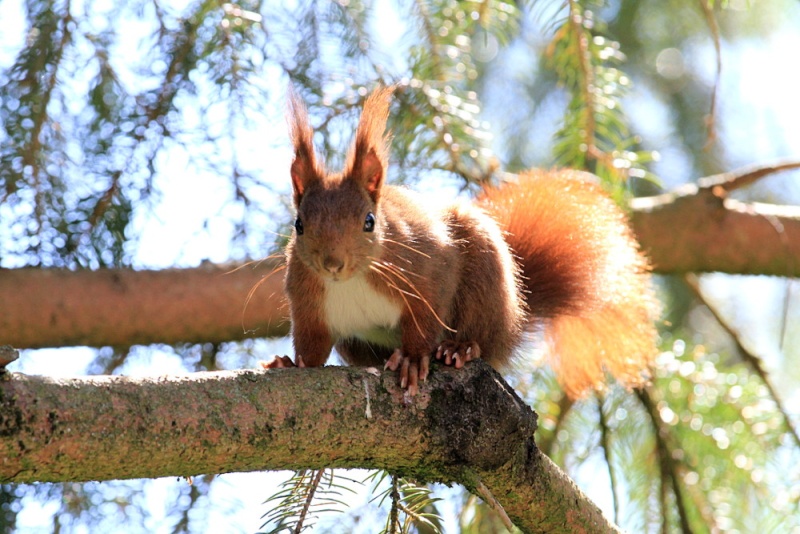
x=305 y=168
x=369 y=157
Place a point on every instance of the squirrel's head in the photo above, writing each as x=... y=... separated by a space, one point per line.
x=339 y=221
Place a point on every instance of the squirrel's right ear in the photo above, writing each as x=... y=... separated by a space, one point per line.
x=304 y=168
x=367 y=161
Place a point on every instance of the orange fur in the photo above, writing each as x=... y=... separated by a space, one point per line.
x=586 y=283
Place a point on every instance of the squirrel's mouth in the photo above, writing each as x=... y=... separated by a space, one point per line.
x=337 y=277
x=340 y=275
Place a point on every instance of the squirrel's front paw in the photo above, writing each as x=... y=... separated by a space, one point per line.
x=412 y=370
x=457 y=353
x=282 y=362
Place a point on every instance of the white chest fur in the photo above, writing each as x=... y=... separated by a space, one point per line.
x=354 y=308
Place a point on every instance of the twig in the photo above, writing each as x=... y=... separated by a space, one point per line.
x=669 y=470
x=605 y=443
x=732 y=180
x=489 y=499
x=41 y=118
x=748 y=356
x=564 y=405
x=430 y=35
x=711 y=118
x=393 y=516
x=309 y=498
x=787 y=301
x=587 y=72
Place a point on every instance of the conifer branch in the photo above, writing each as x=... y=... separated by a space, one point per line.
x=586 y=81
x=711 y=118
x=670 y=470
x=595 y=134
x=738 y=178
x=605 y=444
x=753 y=361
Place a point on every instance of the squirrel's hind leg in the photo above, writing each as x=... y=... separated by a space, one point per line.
x=488 y=311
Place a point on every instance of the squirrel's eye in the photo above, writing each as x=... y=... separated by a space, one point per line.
x=298 y=226
x=369 y=223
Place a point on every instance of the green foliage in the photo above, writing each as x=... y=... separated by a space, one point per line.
x=439 y=125
x=103 y=507
x=704 y=447
x=84 y=133
x=307 y=495
x=303 y=497
x=411 y=505
x=726 y=441
x=436 y=123
x=75 y=156
x=595 y=134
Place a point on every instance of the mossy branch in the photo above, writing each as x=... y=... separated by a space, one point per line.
x=465 y=426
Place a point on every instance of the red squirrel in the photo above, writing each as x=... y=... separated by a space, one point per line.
x=389 y=280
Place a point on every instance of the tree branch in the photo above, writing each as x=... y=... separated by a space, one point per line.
x=697 y=228
x=605 y=444
x=121 y=307
x=466 y=426
x=669 y=467
x=693 y=229
x=739 y=178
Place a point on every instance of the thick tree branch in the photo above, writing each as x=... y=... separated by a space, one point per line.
x=121 y=307
x=693 y=229
x=465 y=426
x=697 y=228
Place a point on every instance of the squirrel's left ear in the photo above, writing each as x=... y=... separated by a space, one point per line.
x=369 y=156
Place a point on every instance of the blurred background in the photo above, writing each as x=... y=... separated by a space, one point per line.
x=149 y=134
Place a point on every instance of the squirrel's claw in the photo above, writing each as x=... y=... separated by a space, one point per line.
x=282 y=362
x=457 y=353
x=412 y=370
x=394 y=361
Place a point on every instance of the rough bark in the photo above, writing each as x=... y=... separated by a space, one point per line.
x=465 y=426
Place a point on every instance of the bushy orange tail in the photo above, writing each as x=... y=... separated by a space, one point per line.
x=587 y=285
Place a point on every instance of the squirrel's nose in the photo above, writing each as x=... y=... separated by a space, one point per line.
x=333 y=265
